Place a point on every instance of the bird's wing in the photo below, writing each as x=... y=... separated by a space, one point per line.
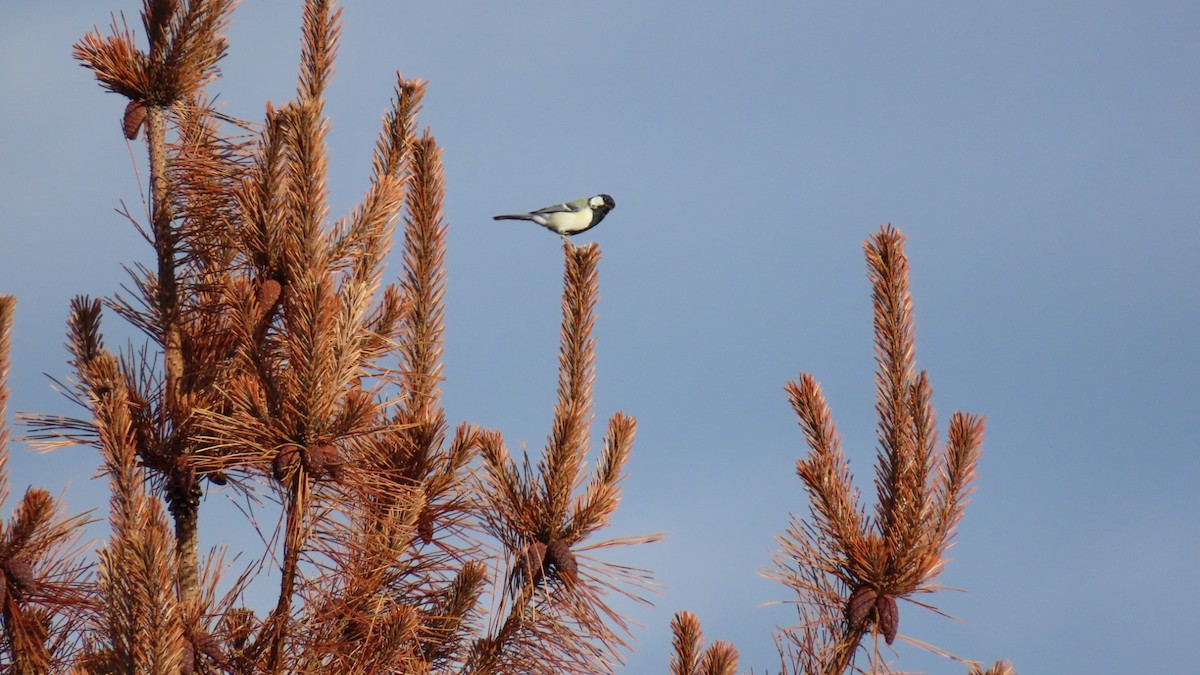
x=568 y=207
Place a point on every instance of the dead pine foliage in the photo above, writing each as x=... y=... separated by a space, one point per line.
x=44 y=599
x=689 y=654
x=545 y=516
x=850 y=570
x=282 y=366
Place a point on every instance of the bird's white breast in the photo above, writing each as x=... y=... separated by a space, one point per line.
x=565 y=222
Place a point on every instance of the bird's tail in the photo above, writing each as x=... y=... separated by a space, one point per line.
x=513 y=216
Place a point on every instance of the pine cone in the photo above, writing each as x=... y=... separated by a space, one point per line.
x=135 y=115
x=187 y=659
x=860 y=606
x=530 y=564
x=887 y=617
x=323 y=461
x=21 y=580
x=268 y=296
x=562 y=560
x=285 y=463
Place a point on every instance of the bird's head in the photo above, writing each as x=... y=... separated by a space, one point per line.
x=602 y=202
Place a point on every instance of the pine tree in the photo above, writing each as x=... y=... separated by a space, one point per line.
x=281 y=365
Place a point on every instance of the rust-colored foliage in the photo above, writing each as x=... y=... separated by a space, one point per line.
x=555 y=618
x=43 y=598
x=689 y=656
x=998 y=668
x=282 y=366
x=849 y=569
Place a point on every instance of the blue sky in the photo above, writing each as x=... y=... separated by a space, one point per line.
x=1044 y=159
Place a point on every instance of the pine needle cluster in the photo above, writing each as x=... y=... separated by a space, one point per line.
x=849 y=568
x=689 y=654
x=544 y=516
x=282 y=366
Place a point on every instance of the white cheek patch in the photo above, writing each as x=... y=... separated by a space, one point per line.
x=596 y=201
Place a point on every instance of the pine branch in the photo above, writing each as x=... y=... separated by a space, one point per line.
x=690 y=657
x=185 y=43
x=687 y=644
x=321 y=34
x=272 y=326
x=825 y=471
x=423 y=283
x=393 y=167
x=261 y=201
x=848 y=572
x=568 y=441
x=721 y=658
x=297 y=530
x=8 y=308
x=404 y=502
x=42 y=598
x=953 y=487
x=592 y=509
x=555 y=617
x=116 y=61
x=140 y=619
x=899 y=482
x=446 y=630
x=998 y=668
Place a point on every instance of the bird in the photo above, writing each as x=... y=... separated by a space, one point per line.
x=569 y=218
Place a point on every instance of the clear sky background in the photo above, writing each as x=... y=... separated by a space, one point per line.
x=1044 y=159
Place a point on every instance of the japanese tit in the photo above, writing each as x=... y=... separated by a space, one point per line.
x=569 y=218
